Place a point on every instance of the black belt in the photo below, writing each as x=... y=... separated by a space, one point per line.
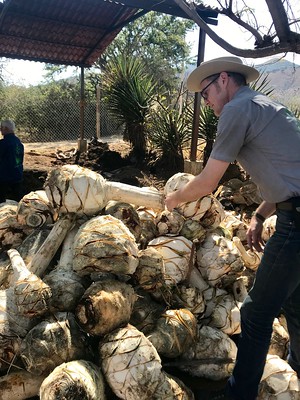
x=292 y=204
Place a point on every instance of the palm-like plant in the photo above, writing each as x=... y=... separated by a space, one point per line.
x=129 y=93
x=170 y=129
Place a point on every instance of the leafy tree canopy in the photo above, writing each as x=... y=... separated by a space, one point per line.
x=159 y=41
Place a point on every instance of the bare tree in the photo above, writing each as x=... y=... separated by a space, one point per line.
x=282 y=35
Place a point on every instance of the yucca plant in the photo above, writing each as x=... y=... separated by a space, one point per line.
x=129 y=93
x=170 y=128
x=207 y=130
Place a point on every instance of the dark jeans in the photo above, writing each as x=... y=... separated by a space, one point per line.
x=276 y=287
x=11 y=191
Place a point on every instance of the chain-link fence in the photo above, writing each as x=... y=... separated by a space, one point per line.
x=60 y=120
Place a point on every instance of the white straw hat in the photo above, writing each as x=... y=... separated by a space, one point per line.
x=216 y=66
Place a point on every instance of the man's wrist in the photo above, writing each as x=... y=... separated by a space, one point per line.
x=259 y=217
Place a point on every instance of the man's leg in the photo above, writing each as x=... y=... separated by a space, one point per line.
x=277 y=278
x=292 y=313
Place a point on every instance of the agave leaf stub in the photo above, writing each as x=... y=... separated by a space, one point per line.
x=105 y=244
x=74 y=189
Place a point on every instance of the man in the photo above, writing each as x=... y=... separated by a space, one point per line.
x=11 y=163
x=264 y=137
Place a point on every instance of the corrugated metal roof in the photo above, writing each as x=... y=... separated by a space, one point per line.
x=70 y=32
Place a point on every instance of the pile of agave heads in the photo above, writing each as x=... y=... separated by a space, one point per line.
x=102 y=289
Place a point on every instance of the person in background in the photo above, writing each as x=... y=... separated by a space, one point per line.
x=264 y=137
x=11 y=163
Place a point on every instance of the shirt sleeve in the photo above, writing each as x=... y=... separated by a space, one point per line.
x=232 y=132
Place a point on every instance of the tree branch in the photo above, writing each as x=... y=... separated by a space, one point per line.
x=280 y=19
x=282 y=47
x=230 y=14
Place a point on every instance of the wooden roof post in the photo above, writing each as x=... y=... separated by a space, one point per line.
x=82 y=143
x=193 y=166
x=194 y=143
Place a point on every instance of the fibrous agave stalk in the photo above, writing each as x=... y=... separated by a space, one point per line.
x=13 y=325
x=251 y=258
x=31 y=293
x=176 y=252
x=77 y=379
x=41 y=259
x=27 y=249
x=67 y=287
x=79 y=190
x=105 y=244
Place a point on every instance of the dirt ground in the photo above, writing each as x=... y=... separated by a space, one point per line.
x=44 y=155
x=110 y=159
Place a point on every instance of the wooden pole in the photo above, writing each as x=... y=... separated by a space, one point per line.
x=98 y=113
x=82 y=143
x=194 y=142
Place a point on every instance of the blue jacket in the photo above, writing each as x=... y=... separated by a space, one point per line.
x=11 y=159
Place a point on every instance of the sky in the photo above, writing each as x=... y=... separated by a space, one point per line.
x=31 y=73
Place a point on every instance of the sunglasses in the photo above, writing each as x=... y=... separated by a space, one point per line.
x=203 y=93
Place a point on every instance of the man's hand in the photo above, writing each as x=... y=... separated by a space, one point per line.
x=254 y=232
x=171 y=201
